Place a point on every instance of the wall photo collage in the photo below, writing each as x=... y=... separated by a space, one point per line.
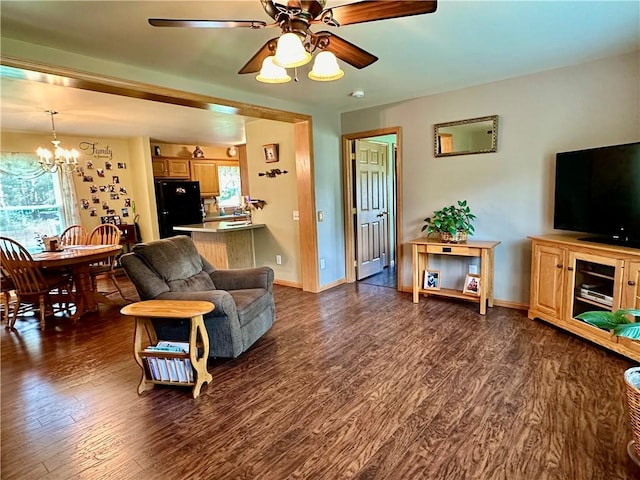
x=105 y=194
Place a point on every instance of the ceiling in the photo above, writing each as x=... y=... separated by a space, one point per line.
x=460 y=45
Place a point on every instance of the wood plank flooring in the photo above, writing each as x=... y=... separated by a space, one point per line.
x=354 y=383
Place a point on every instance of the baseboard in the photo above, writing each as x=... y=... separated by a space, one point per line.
x=496 y=302
x=332 y=284
x=287 y=283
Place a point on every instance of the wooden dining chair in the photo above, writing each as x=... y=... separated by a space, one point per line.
x=6 y=287
x=31 y=283
x=74 y=235
x=105 y=234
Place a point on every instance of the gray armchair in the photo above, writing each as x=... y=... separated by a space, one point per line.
x=172 y=269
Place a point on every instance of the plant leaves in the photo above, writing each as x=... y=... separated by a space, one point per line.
x=599 y=319
x=629 y=330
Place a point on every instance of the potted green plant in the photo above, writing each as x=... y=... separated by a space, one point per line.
x=453 y=223
x=621 y=323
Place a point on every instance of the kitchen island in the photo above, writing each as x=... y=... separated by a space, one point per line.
x=224 y=244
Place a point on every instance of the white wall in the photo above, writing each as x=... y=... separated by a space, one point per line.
x=281 y=237
x=510 y=191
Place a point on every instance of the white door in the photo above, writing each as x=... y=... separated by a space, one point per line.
x=370 y=174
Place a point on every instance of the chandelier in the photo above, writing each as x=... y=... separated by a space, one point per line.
x=292 y=53
x=65 y=160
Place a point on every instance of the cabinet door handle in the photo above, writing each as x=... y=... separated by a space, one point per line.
x=559 y=265
x=570 y=269
x=631 y=282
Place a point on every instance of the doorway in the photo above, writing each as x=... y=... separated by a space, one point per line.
x=371 y=170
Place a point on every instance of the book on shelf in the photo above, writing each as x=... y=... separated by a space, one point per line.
x=164 y=346
x=152 y=365
x=164 y=371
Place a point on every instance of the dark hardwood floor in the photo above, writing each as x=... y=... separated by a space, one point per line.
x=354 y=383
x=388 y=277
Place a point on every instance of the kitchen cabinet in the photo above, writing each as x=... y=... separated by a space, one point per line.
x=570 y=277
x=165 y=167
x=206 y=172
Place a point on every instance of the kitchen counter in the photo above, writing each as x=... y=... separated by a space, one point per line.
x=216 y=217
x=224 y=244
x=219 y=227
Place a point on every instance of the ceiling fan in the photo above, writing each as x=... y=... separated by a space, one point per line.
x=297 y=17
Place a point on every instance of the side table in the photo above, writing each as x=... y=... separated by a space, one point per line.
x=198 y=338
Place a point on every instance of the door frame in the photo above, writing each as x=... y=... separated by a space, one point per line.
x=302 y=129
x=347 y=195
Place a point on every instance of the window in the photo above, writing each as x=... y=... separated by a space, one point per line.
x=229 y=182
x=28 y=206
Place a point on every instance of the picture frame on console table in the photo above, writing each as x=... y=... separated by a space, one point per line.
x=431 y=280
x=472 y=284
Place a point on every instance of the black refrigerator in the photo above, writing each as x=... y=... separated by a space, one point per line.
x=178 y=203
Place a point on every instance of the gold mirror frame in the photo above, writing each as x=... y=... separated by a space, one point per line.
x=443 y=136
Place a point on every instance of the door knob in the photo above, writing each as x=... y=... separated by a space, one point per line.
x=631 y=282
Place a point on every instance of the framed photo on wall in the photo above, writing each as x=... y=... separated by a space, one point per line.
x=270 y=152
x=431 y=280
x=472 y=284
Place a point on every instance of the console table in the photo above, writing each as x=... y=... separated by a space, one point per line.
x=423 y=247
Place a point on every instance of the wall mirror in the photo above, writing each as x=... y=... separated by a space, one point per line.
x=465 y=137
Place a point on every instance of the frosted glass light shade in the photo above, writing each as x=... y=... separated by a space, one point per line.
x=272 y=73
x=290 y=52
x=325 y=68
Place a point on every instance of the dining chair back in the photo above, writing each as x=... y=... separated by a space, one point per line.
x=74 y=235
x=30 y=283
x=105 y=234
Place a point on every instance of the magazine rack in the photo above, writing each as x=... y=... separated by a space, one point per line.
x=198 y=352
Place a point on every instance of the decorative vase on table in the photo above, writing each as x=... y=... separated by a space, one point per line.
x=459 y=237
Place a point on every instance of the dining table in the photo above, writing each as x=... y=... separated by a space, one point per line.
x=77 y=259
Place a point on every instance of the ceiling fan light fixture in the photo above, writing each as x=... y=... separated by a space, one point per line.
x=290 y=52
x=325 y=68
x=272 y=73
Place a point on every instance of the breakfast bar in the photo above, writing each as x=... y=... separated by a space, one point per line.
x=224 y=244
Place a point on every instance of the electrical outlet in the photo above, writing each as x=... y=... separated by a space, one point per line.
x=323 y=264
x=279 y=259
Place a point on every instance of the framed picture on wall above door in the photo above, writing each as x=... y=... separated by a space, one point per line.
x=270 y=152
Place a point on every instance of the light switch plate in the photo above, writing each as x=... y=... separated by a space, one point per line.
x=296 y=215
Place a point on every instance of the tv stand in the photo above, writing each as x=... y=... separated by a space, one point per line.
x=570 y=276
x=612 y=241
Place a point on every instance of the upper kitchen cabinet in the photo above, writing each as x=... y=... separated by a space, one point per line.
x=206 y=172
x=170 y=167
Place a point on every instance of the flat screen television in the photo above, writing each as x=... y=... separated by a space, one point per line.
x=598 y=193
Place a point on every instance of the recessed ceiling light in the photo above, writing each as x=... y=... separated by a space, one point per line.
x=357 y=93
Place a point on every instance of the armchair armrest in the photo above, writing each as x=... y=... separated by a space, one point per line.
x=260 y=277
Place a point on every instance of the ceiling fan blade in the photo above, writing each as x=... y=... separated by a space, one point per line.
x=348 y=52
x=370 y=11
x=176 y=22
x=255 y=63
